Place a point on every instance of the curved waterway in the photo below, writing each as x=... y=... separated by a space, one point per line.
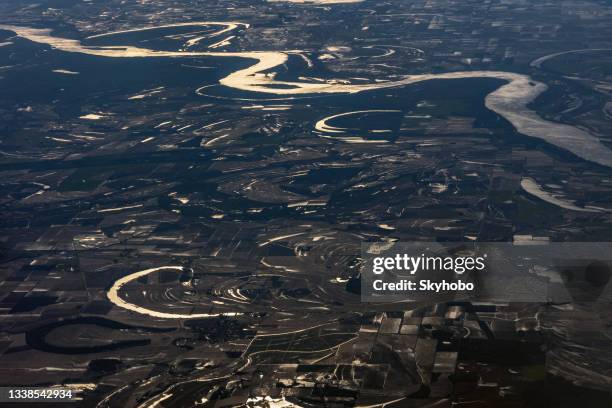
x=323 y=127
x=509 y=101
x=537 y=63
x=227 y=27
x=533 y=188
x=113 y=296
